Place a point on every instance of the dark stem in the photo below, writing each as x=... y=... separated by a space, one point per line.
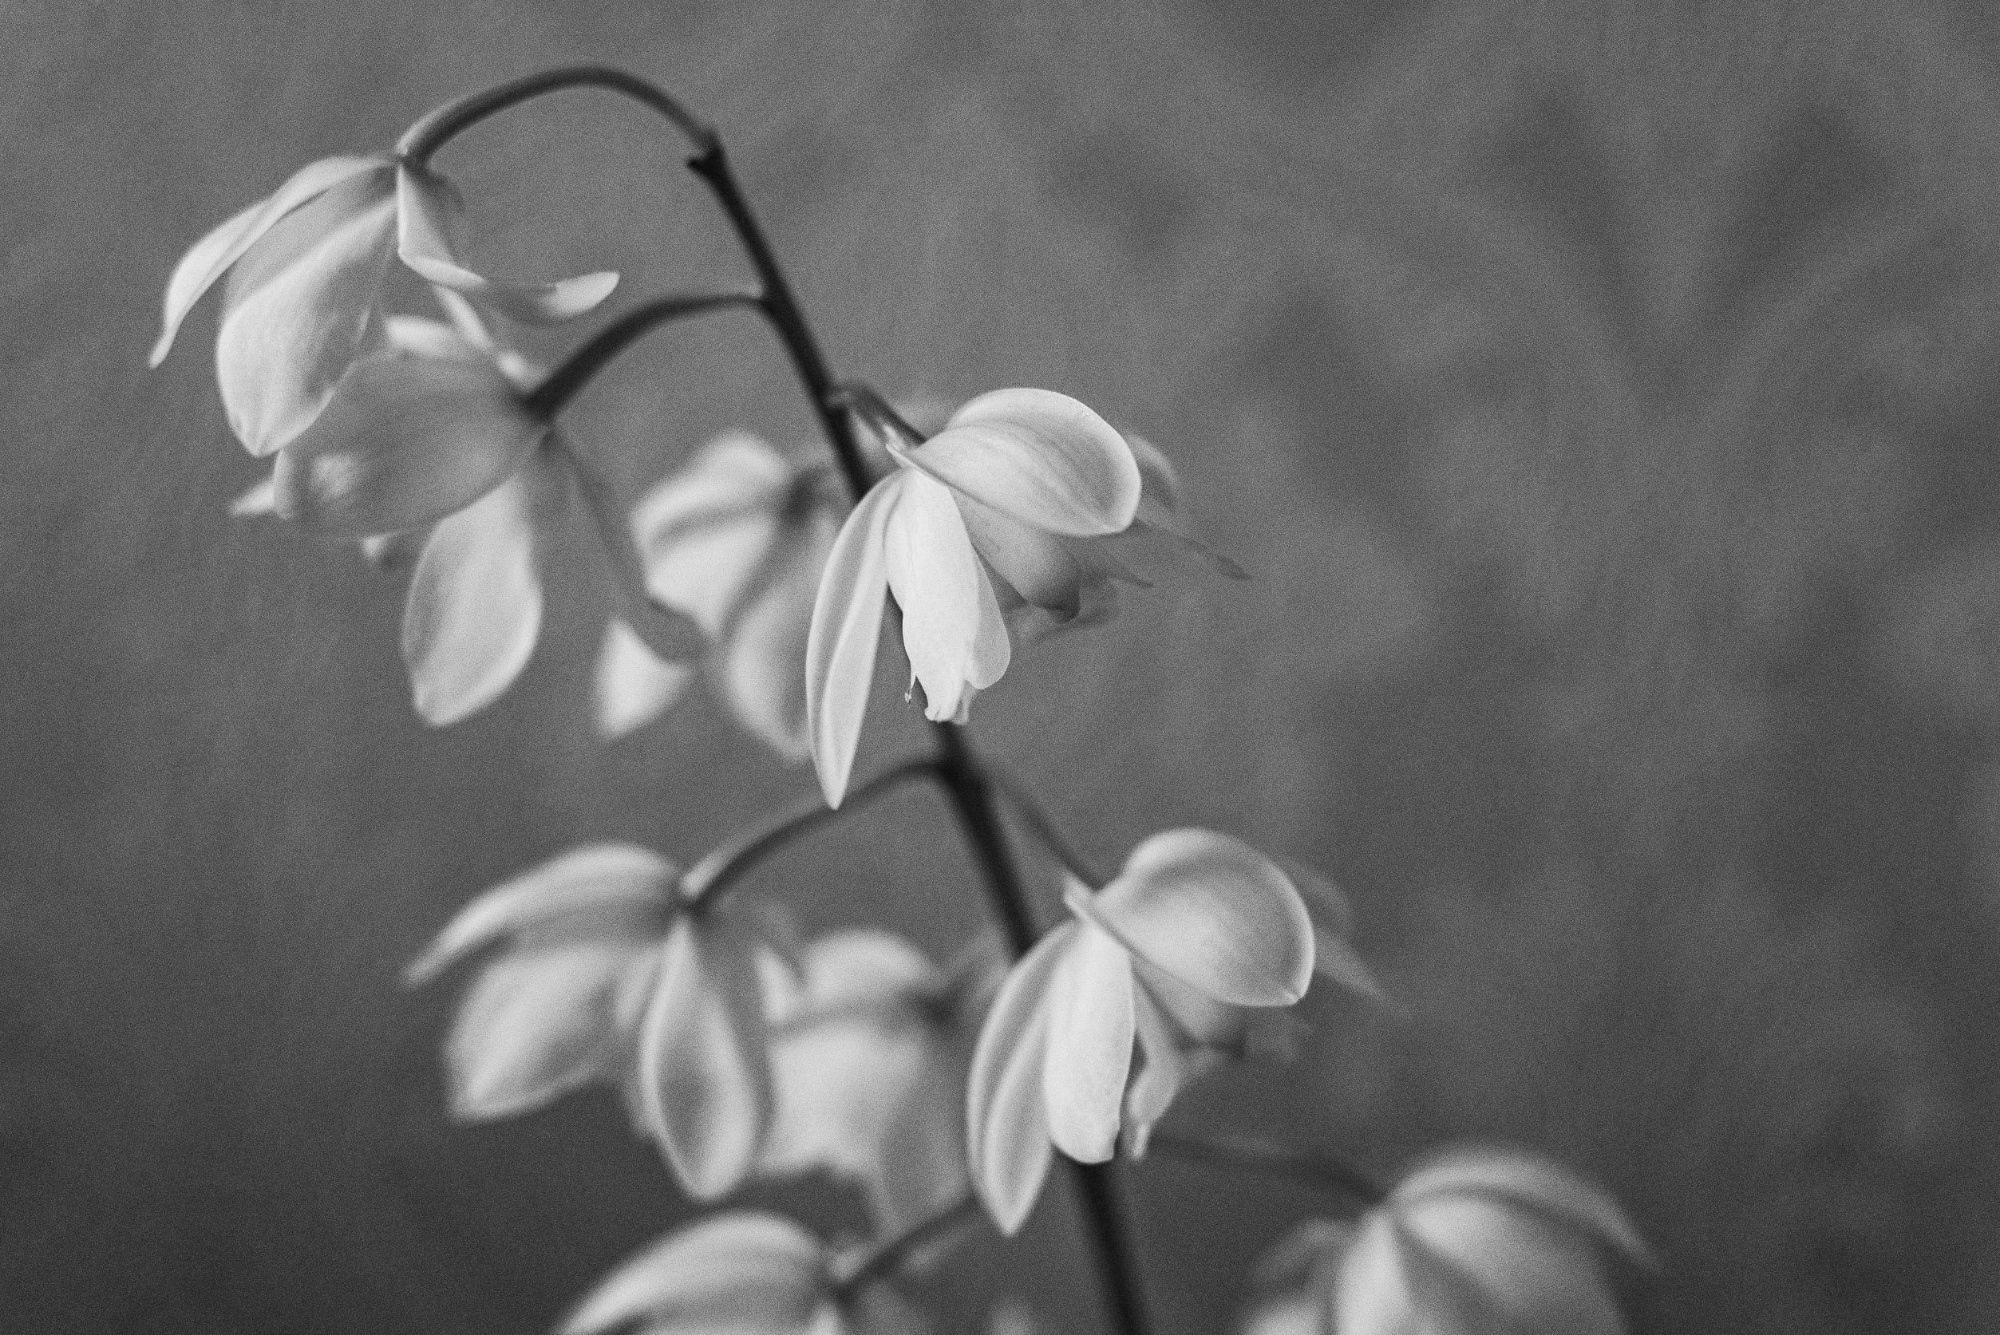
x=1321 y=1172
x=547 y=399
x=886 y=1259
x=727 y=862
x=436 y=128
x=957 y=770
x=712 y=166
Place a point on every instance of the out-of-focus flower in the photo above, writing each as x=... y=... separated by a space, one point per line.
x=609 y=975
x=737 y=541
x=427 y=447
x=1215 y=921
x=870 y=1044
x=999 y=495
x=306 y=267
x=741 y=1273
x=1476 y=1241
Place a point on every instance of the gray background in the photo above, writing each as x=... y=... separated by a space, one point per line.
x=1598 y=391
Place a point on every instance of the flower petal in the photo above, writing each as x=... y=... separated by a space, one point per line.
x=1007 y=1133
x=404 y=442
x=209 y=258
x=1532 y=1184
x=1039 y=457
x=943 y=593
x=536 y=1024
x=595 y=890
x=1089 y=1051
x=742 y=1273
x=760 y=666
x=427 y=211
x=475 y=606
x=632 y=686
x=285 y=343
x=1162 y=1072
x=1034 y=564
x=840 y=644
x=704 y=1073
x=1216 y=914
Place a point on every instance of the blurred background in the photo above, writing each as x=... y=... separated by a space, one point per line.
x=1599 y=393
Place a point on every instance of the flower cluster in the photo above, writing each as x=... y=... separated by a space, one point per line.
x=1480 y=1241
x=743 y=1050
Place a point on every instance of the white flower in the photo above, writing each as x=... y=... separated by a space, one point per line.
x=737 y=541
x=1000 y=494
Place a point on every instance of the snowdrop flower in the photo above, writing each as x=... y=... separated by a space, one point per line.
x=741 y=1273
x=1476 y=1241
x=609 y=975
x=737 y=541
x=1217 y=920
x=870 y=1044
x=306 y=267
x=995 y=499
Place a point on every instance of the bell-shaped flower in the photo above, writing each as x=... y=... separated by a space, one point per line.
x=988 y=502
x=306 y=268
x=1476 y=1241
x=606 y=974
x=736 y=541
x=1217 y=919
x=870 y=1043
x=740 y=1273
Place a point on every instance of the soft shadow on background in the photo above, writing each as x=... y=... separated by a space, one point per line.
x=1600 y=394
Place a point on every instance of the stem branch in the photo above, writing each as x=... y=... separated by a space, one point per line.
x=438 y=127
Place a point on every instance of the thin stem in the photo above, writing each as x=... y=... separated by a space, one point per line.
x=957 y=770
x=1322 y=1172
x=547 y=399
x=1045 y=828
x=890 y=1257
x=728 y=862
x=865 y=399
x=436 y=128
x=712 y=166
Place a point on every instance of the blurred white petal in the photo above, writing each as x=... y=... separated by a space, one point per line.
x=632 y=686
x=427 y=208
x=285 y=343
x=704 y=1072
x=474 y=608
x=404 y=442
x=595 y=890
x=209 y=258
x=741 y=1273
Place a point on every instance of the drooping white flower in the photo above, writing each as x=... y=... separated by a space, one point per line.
x=1205 y=913
x=740 y=1273
x=1014 y=477
x=737 y=541
x=1483 y=1242
x=305 y=269
x=608 y=975
x=870 y=1044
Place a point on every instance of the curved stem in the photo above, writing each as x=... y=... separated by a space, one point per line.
x=865 y=399
x=727 y=862
x=712 y=166
x=550 y=397
x=964 y=780
x=438 y=127
x=1322 y=1172
x=890 y=1257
